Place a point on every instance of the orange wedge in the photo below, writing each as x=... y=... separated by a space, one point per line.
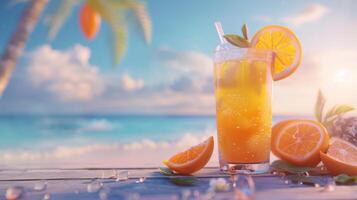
x=193 y=159
x=285 y=45
x=299 y=141
x=341 y=158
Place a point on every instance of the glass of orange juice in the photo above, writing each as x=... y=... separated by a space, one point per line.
x=243 y=85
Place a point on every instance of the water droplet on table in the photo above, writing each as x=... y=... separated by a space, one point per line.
x=196 y=194
x=40 y=186
x=245 y=186
x=103 y=195
x=141 y=180
x=14 y=193
x=122 y=175
x=46 y=197
x=238 y=194
x=225 y=168
x=234 y=179
x=185 y=194
x=94 y=186
x=329 y=187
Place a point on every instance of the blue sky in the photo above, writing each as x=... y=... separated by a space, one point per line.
x=173 y=74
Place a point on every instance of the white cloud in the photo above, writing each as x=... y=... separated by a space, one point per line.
x=65 y=74
x=128 y=83
x=310 y=13
x=186 y=61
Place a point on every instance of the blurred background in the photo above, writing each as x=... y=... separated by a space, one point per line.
x=141 y=88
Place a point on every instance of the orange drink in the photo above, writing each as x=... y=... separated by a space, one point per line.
x=243 y=84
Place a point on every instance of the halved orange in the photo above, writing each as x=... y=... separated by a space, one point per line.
x=299 y=141
x=341 y=158
x=193 y=159
x=285 y=46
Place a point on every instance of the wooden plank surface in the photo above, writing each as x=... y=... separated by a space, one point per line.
x=73 y=184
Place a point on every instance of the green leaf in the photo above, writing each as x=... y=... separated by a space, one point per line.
x=280 y=165
x=184 y=181
x=237 y=40
x=56 y=21
x=245 y=31
x=307 y=180
x=338 y=110
x=166 y=171
x=319 y=106
x=344 y=179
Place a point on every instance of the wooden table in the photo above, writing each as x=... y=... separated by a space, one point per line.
x=73 y=184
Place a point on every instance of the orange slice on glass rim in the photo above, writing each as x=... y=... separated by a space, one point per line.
x=285 y=46
x=299 y=141
x=341 y=158
x=193 y=159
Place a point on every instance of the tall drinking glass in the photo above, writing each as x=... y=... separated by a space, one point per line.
x=243 y=85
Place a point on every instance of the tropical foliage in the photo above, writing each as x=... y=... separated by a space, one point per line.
x=113 y=12
x=335 y=119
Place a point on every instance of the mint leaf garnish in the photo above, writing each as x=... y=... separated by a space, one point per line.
x=245 y=31
x=237 y=40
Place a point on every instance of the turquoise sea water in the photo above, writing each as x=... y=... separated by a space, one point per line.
x=26 y=132
x=35 y=138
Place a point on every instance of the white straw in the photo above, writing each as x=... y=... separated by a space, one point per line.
x=220 y=32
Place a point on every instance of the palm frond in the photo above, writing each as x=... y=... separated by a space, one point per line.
x=120 y=42
x=140 y=11
x=112 y=17
x=144 y=19
x=58 y=18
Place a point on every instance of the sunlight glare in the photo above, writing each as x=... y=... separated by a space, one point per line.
x=341 y=75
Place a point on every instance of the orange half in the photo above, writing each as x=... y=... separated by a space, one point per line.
x=193 y=159
x=341 y=158
x=299 y=141
x=285 y=46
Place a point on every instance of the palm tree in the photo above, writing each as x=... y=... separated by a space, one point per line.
x=18 y=40
x=114 y=12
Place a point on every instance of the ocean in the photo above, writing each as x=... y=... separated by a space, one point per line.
x=98 y=140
